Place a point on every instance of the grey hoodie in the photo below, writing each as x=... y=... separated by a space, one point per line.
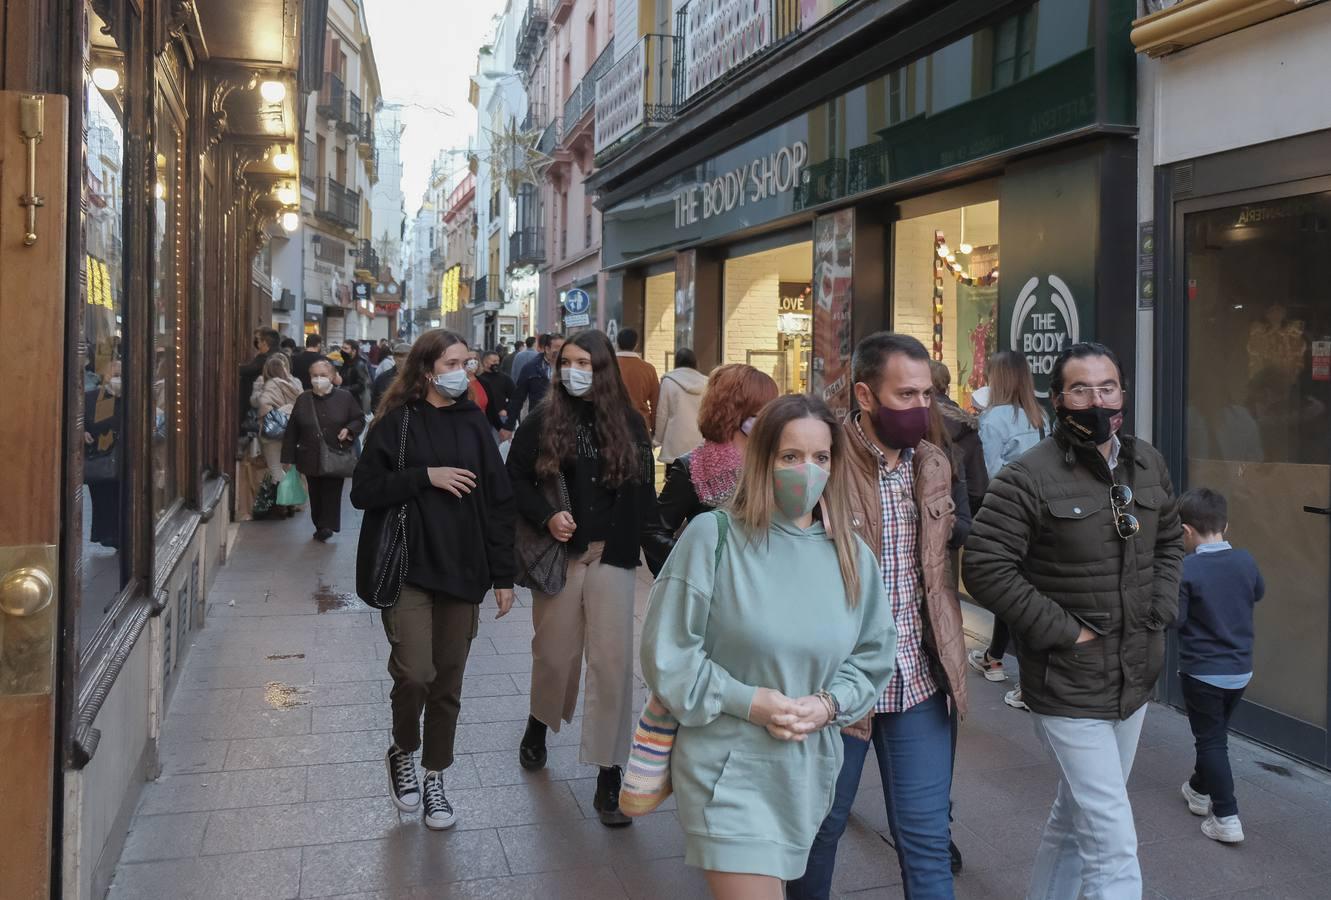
x=677 y=412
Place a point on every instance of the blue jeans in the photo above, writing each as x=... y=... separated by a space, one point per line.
x=914 y=750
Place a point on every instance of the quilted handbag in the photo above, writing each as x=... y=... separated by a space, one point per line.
x=383 y=586
x=542 y=560
x=646 y=782
x=274 y=424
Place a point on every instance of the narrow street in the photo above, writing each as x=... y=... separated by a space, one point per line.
x=273 y=783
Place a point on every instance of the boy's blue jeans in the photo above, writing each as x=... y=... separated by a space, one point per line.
x=914 y=750
x=1209 y=711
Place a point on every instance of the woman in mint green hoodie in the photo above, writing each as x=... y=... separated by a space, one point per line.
x=767 y=628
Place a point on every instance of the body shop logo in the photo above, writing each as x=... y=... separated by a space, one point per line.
x=1043 y=326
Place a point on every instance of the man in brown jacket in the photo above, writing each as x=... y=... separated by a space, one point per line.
x=902 y=504
x=639 y=377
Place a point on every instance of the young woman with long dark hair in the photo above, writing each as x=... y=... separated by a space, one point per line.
x=768 y=627
x=459 y=547
x=1013 y=423
x=586 y=432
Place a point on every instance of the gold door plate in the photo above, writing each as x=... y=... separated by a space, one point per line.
x=28 y=617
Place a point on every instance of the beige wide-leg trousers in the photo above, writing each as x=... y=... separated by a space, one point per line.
x=592 y=615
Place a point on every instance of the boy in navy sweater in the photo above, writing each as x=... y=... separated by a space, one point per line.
x=1220 y=587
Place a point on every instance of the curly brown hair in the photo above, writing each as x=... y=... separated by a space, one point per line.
x=734 y=393
x=414 y=375
x=621 y=455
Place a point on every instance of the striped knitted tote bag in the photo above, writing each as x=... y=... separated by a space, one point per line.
x=646 y=782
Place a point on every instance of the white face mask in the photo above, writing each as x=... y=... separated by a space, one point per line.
x=451 y=384
x=578 y=382
x=472 y=365
x=322 y=384
x=113 y=386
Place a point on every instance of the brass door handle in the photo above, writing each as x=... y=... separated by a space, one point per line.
x=25 y=591
x=32 y=125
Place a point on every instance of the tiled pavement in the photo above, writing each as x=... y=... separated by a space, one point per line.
x=273 y=782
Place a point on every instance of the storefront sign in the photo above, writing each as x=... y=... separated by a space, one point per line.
x=620 y=96
x=833 y=339
x=755 y=181
x=794 y=297
x=1044 y=324
x=721 y=34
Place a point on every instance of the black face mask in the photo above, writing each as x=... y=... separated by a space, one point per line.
x=1096 y=424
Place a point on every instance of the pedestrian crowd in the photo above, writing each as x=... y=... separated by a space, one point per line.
x=808 y=571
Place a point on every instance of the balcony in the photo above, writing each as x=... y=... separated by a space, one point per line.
x=309 y=165
x=535 y=117
x=367 y=261
x=707 y=29
x=549 y=141
x=481 y=290
x=366 y=137
x=530 y=34
x=332 y=97
x=526 y=247
x=350 y=121
x=583 y=98
x=339 y=204
x=639 y=92
x=560 y=10
x=331 y=251
x=437 y=258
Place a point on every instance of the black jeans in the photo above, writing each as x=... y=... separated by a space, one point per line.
x=1209 y=709
x=999 y=640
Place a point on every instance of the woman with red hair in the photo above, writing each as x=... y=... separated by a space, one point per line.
x=705 y=478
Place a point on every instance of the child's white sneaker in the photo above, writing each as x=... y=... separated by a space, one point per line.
x=1225 y=829
x=1198 y=804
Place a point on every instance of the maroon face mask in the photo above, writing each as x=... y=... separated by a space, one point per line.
x=901 y=429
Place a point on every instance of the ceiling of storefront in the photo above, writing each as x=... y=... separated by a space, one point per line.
x=255 y=32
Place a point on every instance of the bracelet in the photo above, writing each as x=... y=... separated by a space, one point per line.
x=833 y=707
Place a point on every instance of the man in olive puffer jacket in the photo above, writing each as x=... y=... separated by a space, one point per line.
x=1078 y=548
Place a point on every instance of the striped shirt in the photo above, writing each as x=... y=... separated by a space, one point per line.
x=899 y=557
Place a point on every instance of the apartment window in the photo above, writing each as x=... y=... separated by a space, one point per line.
x=568 y=77
x=591 y=39
x=587 y=232
x=321 y=156
x=1014 y=49
x=563 y=223
x=341 y=168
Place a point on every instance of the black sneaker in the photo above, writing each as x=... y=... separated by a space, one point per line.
x=606 y=801
x=531 y=752
x=406 y=790
x=323 y=534
x=438 y=811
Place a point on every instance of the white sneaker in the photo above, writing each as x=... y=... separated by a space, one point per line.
x=438 y=811
x=991 y=669
x=406 y=790
x=1199 y=804
x=1013 y=699
x=1225 y=829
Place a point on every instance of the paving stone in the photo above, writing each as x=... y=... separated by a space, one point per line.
x=361 y=717
x=265 y=875
x=501 y=766
x=513 y=707
x=299 y=824
x=175 y=836
x=248 y=723
x=661 y=879
x=222 y=790
x=305 y=750
x=500 y=664
x=412 y=856
x=566 y=845
x=1195 y=865
x=256 y=675
x=316 y=695
x=182 y=756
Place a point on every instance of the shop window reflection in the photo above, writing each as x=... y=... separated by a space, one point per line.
x=103 y=372
x=166 y=315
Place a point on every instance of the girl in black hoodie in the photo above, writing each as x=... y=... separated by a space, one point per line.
x=459 y=547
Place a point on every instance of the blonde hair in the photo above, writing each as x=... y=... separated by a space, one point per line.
x=754 y=501
x=277 y=366
x=1011 y=384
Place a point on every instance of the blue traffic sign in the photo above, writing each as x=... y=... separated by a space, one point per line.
x=576 y=301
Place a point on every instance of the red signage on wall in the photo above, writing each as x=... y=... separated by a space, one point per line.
x=833 y=339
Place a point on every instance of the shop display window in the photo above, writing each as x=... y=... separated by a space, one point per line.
x=1258 y=420
x=658 y=333
x=945 y=289
x=168 y=314
x=768 y=313
x=103 y=372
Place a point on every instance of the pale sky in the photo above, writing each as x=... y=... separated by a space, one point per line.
x=426 y=52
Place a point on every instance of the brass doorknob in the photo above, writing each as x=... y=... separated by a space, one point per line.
x=26 y=591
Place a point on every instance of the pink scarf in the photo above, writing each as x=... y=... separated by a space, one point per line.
x=714 y=470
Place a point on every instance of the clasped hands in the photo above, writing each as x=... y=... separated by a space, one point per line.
x=787 y=718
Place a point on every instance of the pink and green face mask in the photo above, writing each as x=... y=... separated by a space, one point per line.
x=798 y=489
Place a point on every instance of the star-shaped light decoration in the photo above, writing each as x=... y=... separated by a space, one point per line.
x=514 y=158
